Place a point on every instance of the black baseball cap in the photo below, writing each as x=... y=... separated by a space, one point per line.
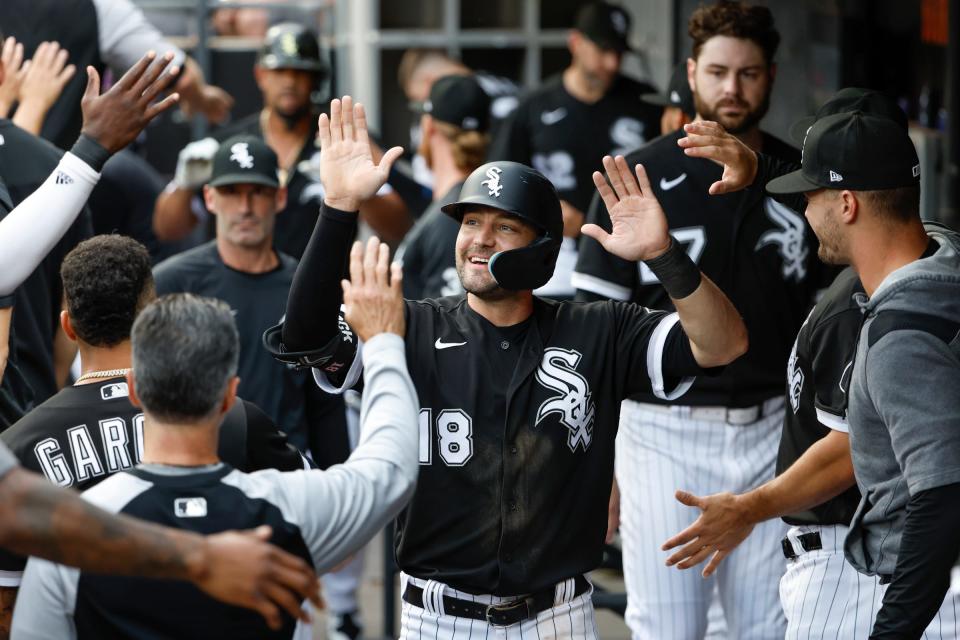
x=678 y=93
x=244 y=159
x=458 y=100
x=853 y=151
x=607 y=25
x=847 y=100
x=289 y=45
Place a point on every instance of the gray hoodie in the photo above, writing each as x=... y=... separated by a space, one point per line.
x=904 y=411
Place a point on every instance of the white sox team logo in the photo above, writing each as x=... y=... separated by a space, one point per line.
x=557 y=371
x=790 y=239
x=493 y=181
x=240 y=153
x=795 y=379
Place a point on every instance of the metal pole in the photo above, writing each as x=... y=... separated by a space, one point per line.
x=199 y=125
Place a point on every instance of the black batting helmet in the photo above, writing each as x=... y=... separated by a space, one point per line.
x=521 y=191
x=289 y=45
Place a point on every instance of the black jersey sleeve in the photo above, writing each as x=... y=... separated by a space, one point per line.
x=413 y=267
x=647 y=355
x=267 y=446
x=513 y=138
x=600 y=274
x=770 y=167
x=832 y=347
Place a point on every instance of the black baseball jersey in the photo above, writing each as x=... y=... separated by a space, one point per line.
x=25 y=163
x=88 y=432
x=15 y=393
x=818 y=376
x=565 y=139
x=428 y=253
x=258 y=301
x=760 y=253
x=517 y=428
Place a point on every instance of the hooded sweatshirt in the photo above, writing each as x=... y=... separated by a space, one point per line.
x=904 y=411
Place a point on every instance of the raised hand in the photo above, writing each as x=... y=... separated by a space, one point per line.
x=723 y=524
x=709 y=140
x=640 y=230
x=47 y=75
x=373 y=296
x=243 y=569
x=117 y=117
x=14 y=71
x=347 y=170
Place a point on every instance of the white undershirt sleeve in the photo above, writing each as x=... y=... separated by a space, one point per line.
x=126 y=35
x=30 y=231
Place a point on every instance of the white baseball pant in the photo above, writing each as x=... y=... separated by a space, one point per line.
x=570 y=617
x=664 y=448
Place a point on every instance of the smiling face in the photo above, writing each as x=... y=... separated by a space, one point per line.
x=731 y=82
x=485 y=231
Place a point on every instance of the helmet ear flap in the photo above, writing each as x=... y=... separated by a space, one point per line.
x=526 y=268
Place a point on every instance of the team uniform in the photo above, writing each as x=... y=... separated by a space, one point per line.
x=527 y=426
x=565 y=140
x=428 y=255
x=259 y=301
x=319 y=516
x=725 y=433
x=88 y=432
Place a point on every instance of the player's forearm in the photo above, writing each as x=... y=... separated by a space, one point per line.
x=824 y=471
x=30 y=116
x=715 y=329
x=5 y=316
x=39 y=519
x=37 y=224
x=8 y=599
x=173 y=217
x=313 y=305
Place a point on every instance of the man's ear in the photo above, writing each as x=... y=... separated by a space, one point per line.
x=208 y=198
x=849 y=207
x=281 y=199
x=692 y=74
x=132 y=390
x=67 y=325
x=230 y=396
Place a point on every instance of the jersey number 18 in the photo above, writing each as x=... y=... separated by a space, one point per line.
x=454 y=437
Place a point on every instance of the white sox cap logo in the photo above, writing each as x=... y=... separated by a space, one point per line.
x=493 y=181
x=557 y=371
x=240 y=153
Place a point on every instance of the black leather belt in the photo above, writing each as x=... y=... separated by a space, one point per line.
x=808 y=541
x=499 y=615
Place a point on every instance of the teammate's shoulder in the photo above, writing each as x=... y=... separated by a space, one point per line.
x=550 y=90
x=200 y=257
x=626 y=85
x=287 y=262
x=443 y=305
x=659 y=149
x=838 y=298
x=116 y=491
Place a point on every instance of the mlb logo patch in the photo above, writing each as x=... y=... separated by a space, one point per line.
x=190 y=507
x=114 y=390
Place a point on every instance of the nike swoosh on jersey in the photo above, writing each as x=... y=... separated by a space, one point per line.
x=666 y=185
x=553 y=117
x=439 y=344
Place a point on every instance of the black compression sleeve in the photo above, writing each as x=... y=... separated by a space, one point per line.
x=928 y=551
x=313 y=306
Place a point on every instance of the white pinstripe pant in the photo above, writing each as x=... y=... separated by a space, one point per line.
x=659 y=452
x=826 y=598
x=571 y=617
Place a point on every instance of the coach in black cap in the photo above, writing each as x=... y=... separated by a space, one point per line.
x=677 y=102
x=453 y=142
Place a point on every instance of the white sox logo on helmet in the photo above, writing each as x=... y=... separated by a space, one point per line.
x=493 y=181
x=557 y=371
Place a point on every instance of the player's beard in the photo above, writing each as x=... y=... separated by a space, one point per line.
x=750 y=119
x=828 y=234
x=486 y=288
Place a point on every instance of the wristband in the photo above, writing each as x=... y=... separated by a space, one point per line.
x=91 y=152
x=676 y=271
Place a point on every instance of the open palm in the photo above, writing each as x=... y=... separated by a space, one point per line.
x=347 y=170
x=639 y=227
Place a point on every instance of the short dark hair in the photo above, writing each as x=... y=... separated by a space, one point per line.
x=185 y=351
x=107 y=280
x=736 y=20
x=899 y=205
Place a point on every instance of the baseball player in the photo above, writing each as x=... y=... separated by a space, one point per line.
x=814 y=490
x=518 y=395
x=563 y=128
x=453 y=143
x=764 y=256
x=320 y=516
x=677 y=101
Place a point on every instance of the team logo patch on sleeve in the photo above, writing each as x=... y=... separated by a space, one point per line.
x=557 y=371
x=114 y=390
x=190 y=507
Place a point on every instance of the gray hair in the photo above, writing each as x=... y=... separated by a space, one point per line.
x=185 y=351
